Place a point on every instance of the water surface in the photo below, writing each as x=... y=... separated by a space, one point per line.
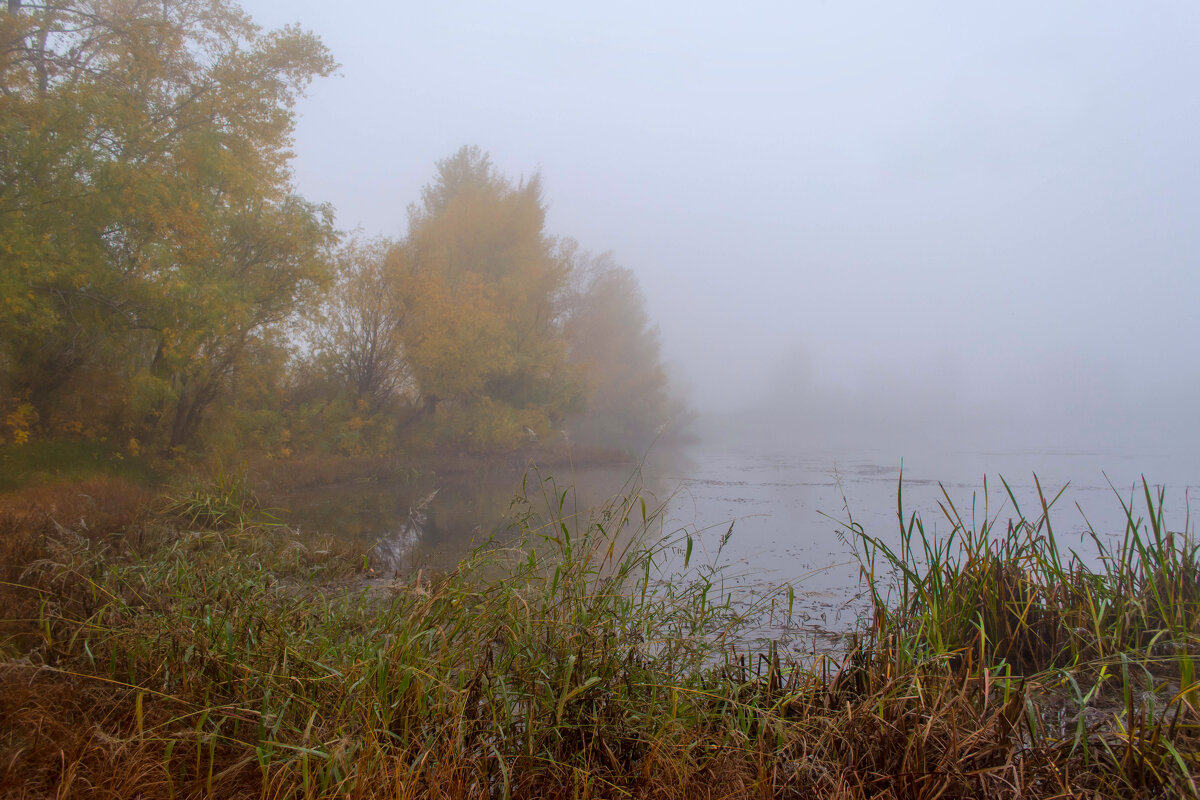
x=788 y=510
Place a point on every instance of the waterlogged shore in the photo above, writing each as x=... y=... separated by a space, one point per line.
x=204 y=650
x=765 y=519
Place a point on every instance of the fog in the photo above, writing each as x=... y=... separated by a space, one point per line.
x=899 y=224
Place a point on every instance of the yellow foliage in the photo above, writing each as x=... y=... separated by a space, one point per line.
x=20 y=421
x=164 y=198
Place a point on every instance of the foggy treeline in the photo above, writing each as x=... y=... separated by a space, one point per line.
x=479 y=330
x=165 y=288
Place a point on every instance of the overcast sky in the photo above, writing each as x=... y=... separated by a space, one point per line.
x=986 y=205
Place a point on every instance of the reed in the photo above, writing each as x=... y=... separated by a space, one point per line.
x=1110 y=637
x=1008 y=594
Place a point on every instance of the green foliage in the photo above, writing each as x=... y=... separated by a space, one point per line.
x=155 y=261
x=224 y=502
x=149 y=227
x=478 y=426
x=579 y=651
x=356 y=336
x=1009 y=596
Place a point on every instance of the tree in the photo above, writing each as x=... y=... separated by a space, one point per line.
x=480 y=279
x=147 y=215
x=612 y=342
x=269 y=259
x=357 y=337
x=478 y=324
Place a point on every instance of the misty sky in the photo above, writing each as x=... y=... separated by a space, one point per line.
x=954 y=207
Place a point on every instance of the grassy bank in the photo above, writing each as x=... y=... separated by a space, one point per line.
x=43 y=461
x=199 y=649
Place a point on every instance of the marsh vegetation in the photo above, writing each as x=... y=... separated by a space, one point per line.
x=203 y=649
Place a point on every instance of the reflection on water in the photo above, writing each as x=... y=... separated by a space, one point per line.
x=398 y=541
x=435 y=522
x=786 y=509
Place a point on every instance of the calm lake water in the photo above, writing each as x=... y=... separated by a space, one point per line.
x=785 y=509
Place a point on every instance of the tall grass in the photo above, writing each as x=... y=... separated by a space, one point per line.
x=1112 y=636
x=577 y=661
x=229 y=656
x=225 y=500
x=1009 y=594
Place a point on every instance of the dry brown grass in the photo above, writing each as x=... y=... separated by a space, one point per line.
x=33 y=518
x=66 y=736
x=97 y=507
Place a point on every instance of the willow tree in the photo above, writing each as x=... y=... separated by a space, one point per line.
x=149 y=224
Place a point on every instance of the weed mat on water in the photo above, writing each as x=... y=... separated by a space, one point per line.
x=201 y=651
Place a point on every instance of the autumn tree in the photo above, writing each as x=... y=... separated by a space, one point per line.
x=479 y=279
x=357 y=335
x=150 y=228
x=478 y=324
x=617 y=350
